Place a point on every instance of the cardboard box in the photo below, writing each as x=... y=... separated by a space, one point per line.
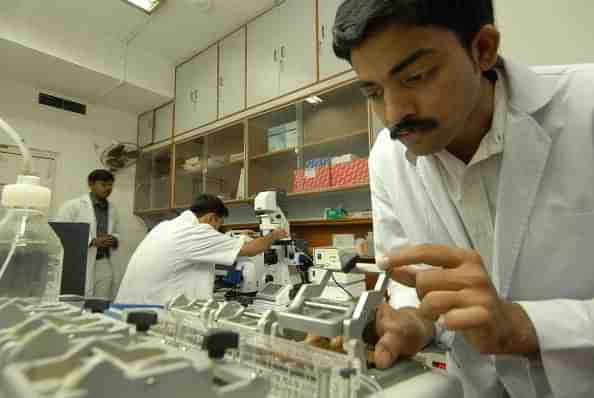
x=350 y=173
x=312 y=179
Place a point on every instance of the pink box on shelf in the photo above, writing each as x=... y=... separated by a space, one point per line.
x=350 y=173
x=311 y=179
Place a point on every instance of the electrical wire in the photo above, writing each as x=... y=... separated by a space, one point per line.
x=340 y=286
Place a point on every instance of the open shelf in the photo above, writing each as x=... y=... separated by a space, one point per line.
x=275 y=153
x=332 y=140
x=331 y=189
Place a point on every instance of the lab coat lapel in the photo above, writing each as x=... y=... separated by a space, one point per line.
x=525 y=155
x=428 y=168
x=88 y=207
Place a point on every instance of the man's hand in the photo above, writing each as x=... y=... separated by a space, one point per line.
x=402 y=332
x=104 y=241
x=462 y=297
x=279 y=234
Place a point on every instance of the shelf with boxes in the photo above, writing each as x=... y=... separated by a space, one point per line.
x=319 y=144
x=316 y=145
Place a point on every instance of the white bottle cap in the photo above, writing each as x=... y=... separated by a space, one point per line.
x=27 y=193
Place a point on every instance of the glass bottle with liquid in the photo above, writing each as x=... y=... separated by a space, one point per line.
x=31 y=253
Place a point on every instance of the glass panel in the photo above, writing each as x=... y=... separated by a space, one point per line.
x=272 y=172
x=335 y=141
x=342 y=112
x=189 y=167
x=161 y=179
x=145 y=129
x=299 y=148
x=153 y=181
x=273 y=144
x=142 y=199
x=225 y=164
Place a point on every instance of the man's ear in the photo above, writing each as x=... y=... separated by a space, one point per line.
x=485 y=47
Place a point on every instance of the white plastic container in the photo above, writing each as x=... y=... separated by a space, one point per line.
x=31 y=253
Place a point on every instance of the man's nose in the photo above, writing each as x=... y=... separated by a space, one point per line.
x=399 y=106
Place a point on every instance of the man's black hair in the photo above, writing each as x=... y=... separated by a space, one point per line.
x=205 y=203
x=356 y=19
x=100 y=175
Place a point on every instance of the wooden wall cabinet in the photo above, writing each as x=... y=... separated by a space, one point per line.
x=329 y=64
x=196 y=91
x=232 y=70
x=281 y=51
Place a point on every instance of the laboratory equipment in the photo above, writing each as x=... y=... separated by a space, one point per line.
x=343 y=285
x=280 y=258
x=31 y=254
x=60 y=351
x=287 y=260
x=250 y=271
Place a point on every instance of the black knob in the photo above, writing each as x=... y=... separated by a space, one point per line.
x=217 y=341
x=269 y=278
x=96 y=305
x=143 y=320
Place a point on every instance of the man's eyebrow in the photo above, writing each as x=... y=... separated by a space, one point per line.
x=411 y=59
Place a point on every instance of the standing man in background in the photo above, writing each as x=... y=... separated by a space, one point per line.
x=94 y=209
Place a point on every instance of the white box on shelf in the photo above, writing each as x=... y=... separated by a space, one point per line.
x=282 y=137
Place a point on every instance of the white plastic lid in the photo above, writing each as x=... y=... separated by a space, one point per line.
x=28 y=193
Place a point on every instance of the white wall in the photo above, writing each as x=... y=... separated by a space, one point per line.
x=78 y=141
x=105 y=55
x=546 y=32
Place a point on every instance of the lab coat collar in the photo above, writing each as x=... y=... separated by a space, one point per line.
x=528 y=91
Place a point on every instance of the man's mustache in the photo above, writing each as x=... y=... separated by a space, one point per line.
x=409 y=126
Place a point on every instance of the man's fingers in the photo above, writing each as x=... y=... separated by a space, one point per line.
x=431 y=280
x=466 y=318
x=405 y=275
x=435 y=255
x=387 y=350
x=439 y=303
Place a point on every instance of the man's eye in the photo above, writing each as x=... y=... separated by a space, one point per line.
x=416 y=78
x=372 y=94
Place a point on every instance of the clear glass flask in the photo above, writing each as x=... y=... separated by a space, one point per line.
x=31 y=253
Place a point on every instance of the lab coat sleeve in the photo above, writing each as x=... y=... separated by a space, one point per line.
x=389 y=236
x=565 y=330
x=213 y=247
x=115 y=230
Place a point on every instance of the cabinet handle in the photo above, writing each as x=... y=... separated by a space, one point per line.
x=323 y=32
x=274 y=56
x=283 y=52
x=221 y=81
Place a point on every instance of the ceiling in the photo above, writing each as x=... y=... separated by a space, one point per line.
x=175 y=31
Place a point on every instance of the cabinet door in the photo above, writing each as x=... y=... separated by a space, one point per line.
x=263 y=58
x=163 y=123
x=329 y=64
x=232 y=74
x=297 y=48
x=196 y=92
x=145 y=129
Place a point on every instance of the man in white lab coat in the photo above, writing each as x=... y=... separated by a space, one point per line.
x=94 y=209
x=179 y=256
x=486 y=171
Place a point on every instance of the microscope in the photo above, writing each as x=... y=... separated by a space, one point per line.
x=287 y=259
